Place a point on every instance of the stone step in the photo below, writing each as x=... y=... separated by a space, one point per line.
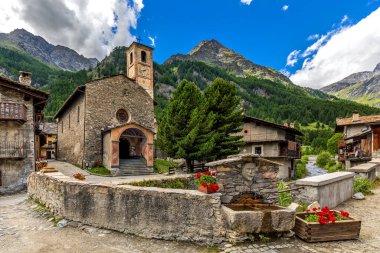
x=133 y=172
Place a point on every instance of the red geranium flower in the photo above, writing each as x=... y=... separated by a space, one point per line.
x=344 y=214
x=204 y=184
x=213 y=173
x=314 y=209
x=198 y=175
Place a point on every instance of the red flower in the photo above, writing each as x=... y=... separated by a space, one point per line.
x=344 y=214
x=213 y=173
x=206 y=173
x=314 y=209
x=198 y=175
x=213 y=187
x=204 y=184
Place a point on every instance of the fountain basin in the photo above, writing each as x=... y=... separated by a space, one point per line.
x=261 y=218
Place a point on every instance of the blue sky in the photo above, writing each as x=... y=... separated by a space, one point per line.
x=272 y=33
x=261 y=31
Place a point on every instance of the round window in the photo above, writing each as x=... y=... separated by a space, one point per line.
x=122 y=116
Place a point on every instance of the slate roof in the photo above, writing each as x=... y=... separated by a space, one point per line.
x=362 y=120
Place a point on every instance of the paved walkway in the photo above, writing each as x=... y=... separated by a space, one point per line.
x=369 y=242
x=24 y=230
x=68 y=170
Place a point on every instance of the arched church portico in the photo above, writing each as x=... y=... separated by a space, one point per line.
x=127 y=142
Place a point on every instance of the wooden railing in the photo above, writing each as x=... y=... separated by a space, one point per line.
x=12 y=149
x=12 y=111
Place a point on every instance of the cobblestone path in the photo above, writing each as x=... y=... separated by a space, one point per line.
x=367 y=210
x=23 y=230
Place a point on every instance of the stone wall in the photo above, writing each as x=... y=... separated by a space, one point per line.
x=170 y=214
x=71 y=132
x=329 y=190
x=14 y=172
x=104 y=97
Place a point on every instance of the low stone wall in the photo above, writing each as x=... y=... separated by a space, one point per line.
x=329 y=190
x=173 y=214
x=376 y=161
x=367 y=170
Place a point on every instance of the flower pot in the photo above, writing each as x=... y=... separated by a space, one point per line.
x=314 y=232
x=204 y=189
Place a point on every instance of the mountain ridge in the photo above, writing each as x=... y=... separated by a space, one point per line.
x=215 y=54
x=58 y=56
x=362 y=87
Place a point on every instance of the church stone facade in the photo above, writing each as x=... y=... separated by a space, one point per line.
x=111 y=119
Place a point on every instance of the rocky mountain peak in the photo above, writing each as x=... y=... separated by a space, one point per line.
x=213 y=53
x=36 y=46
x=377 y=68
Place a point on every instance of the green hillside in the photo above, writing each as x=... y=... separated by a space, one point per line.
x=261 y=98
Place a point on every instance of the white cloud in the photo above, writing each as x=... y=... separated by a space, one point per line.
x=85 y=26
x=292 y=58
x=285 y=7
x=345 y=51
x=247 y=2
x=152 y=41
x=313 y=37
x=344 y=19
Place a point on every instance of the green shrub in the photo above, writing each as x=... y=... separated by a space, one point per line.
x=301 y=171
x=363 y=185
x=162 y=166
x=323 y=159
x=284 y=198
x=336 y=167
x=100 y=171
x=305 y=159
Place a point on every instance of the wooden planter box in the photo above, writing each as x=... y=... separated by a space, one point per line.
x=315 y=232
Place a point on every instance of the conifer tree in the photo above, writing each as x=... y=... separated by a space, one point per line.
x=178 y=129
x=221 y=116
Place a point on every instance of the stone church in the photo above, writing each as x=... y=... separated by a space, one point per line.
x=110 y=121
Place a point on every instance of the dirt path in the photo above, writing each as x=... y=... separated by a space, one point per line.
x=23 y=230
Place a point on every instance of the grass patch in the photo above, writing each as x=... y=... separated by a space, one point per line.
x=211 y=249
x=363 y=185
x=162 y=166
x=172 y=183
x=100 y=171
x=284 y=198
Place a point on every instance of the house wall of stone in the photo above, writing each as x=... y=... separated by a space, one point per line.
x=107 y=151
x=14 y=172
x=354 y=130
x=71 y=133
x=104 y=97
x=257 y=132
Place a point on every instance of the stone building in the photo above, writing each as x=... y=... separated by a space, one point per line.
x=110 y=121
x=46 y=141
x=361 y=139
x=273 y=141
x=21 y=108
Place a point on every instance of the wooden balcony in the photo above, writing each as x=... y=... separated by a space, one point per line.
x=10 y=111
x=12 y=149
x=290 y=149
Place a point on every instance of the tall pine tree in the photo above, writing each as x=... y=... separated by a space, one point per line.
x=178 y=129
x=221 y=118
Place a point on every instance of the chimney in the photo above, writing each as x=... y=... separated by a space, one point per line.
x=355 y=116
x=25 y=78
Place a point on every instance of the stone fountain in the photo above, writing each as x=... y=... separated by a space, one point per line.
x=248 y=184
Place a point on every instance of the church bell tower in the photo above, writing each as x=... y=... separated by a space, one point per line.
x=140 y=65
